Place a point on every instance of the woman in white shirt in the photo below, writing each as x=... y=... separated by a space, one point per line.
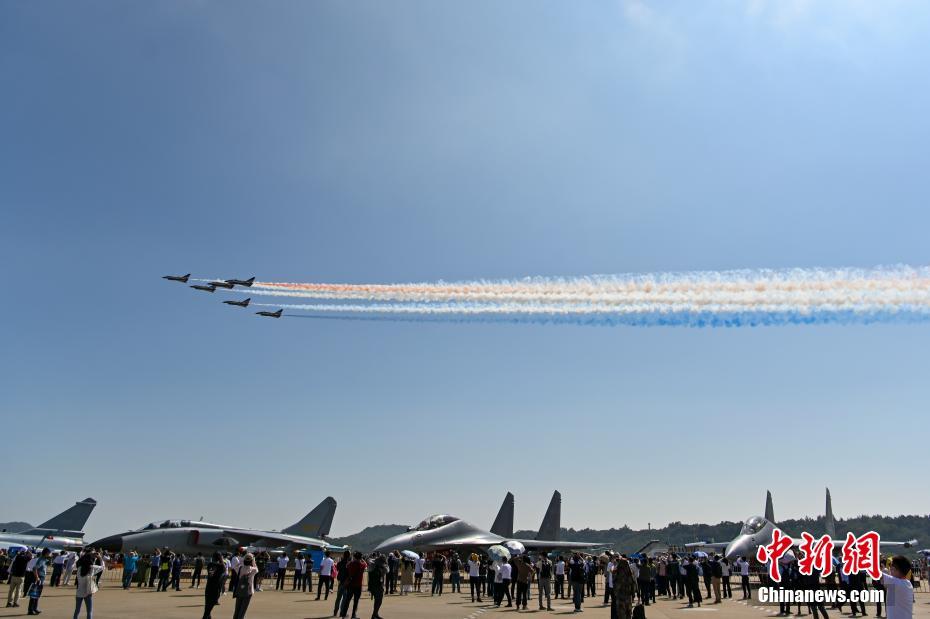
x=86 y=583
x=245 y=586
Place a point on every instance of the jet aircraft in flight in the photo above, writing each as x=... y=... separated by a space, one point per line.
x=243 y=303
x=221 y=284
x=208 y=288
x=242 y=282
x=177 y=278
x=62 y=532
x=276 y=314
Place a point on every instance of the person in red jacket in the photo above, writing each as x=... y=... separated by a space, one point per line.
x=353 y=583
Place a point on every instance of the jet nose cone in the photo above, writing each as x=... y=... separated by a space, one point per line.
x=113 y=543
x=736 y=549
x=392 y=543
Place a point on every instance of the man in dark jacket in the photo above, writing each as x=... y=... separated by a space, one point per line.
x=353 y=584
x=377 y=574
x=439 y=568
x=624 y=590
x=17 y=575
x=216 y=576
x=576 y=575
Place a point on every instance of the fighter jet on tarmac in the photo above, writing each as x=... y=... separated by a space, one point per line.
x=757 y=531
x=177 y=278
x=221 y=284
x=62 y=532
x=276 y=314
x=241 y=282
x=209 y=288
x=442 y=531
x=244 y=303
x=190 y=537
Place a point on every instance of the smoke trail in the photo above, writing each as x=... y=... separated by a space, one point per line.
x=715 y=298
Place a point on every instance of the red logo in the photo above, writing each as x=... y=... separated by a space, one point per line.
x=771 y=553
x=818 y=554
x=860 y=554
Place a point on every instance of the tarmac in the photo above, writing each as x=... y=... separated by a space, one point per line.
x=111 y=602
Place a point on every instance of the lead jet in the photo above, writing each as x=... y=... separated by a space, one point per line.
x=190 y=537
x=177 y=278
x=757 y=531
x=276 y=314
x=442 y=532
x=242 y=282
x=221 y=284
x=207 y=288
x=244 y=303
x=62 y=532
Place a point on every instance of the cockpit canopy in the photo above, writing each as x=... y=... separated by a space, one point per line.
x=753 y=525
x=433 y=522
x=167 y=524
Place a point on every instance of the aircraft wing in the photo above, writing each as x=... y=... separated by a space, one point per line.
x=711 y=545
x=274 y=539
x=541 y=544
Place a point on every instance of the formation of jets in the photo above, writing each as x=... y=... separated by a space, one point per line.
x=227 y=284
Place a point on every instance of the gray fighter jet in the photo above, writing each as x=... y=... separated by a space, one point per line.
x=757 y=531
x=221 y=284
x=177 y=278
x=243 y=303
x=63 y=532
x=191 y=537
x=442 y=531
x=242 y=282
x=208 y=288
x=276 y=314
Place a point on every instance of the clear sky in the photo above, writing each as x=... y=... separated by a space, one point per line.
x=415 y=141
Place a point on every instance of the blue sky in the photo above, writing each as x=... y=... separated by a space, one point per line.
x=415 y=141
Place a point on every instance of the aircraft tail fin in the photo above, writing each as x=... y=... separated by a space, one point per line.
x=503 y=524
x=251 y=280
x=317 y=523
x=551 y=527
x=769 y=507
x=829 y=520
x=72 y=519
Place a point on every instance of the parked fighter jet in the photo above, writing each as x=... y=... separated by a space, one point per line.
x=244 y=303
x=190 y=537
x=208 y=288
x=276 y=314
x=63 y=532
x=177 y=278
x=242 y=282
x=757 y=531
x=442 y=531
x=221 y=284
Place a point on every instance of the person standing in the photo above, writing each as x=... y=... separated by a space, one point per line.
x=245 y=585
x=671 y=572
x=576 y=577
x=130 y=561
x=560 y=578
x=725 y=571
x=716 y=577
x=39 y=571
x=609 y=581
x=502 y=584
x=282 y=572
x=58 y=566
x=393 y=563
x=377 y=575
x=30 y=576
x=406 y=576
x=342 y=575
x=298 y=571
x=353 y=585
x=176 y=564
x=544 y=585
x=307 y=584
x=455 y=572
x=86 y=584
x=145 y=566
x=624 y=590
x=899 y=591
x=164 y=570
x=325 y=581
x=216 y=576
x=17 y=576
x=692 y=583
x=198 y=571
x=439 y=568
x=474 y=577
x=69 y=568
x=742 y=564
x=156 y=566
x=418 y=573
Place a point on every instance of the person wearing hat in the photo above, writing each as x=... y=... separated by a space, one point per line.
x=474 y=576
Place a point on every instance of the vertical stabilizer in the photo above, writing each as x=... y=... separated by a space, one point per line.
x=829 y=522
x=317 y=522
x=72 y=519
x=769 y=508
x=503 y=524
x=551 y=527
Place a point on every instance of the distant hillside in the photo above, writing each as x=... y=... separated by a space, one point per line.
x=625 y=539
x=14 y=527
x=369 y=537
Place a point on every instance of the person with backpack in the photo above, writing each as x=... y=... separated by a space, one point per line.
x=245 y=585
x=216 y=576
x=544 y=570
x=377 y=575
x=86 y=584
